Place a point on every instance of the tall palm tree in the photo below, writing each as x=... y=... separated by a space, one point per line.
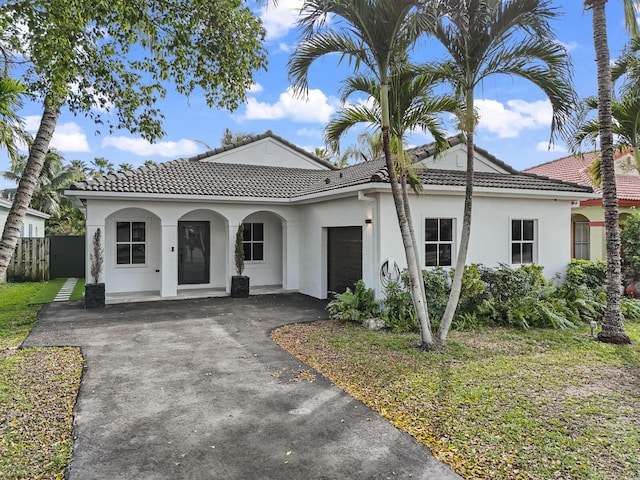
x=370 y=34
x=612 y=324
x=492 y=37
x=412 y=105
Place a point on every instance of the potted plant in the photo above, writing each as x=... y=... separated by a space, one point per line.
x=239 y=282
x=94 y=292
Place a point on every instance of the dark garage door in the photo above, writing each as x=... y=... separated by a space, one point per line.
x=344 y=258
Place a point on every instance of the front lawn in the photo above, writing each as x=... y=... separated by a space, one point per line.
x=38 y=390
x=498 y=403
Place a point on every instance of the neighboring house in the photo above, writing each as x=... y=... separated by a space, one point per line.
x=33 y=225
x=587 y=216
x=310 y=227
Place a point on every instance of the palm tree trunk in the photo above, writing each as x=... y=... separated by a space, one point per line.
x=27 y=185
x=612 y=323
x=415 y=277
x=407 y=211
x=456 y=284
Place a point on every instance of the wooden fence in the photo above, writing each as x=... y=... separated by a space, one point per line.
x=30 y=261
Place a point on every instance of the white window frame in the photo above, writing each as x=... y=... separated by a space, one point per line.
x=534 y=242
x=426 y=242
x=583 y=243
x=263 y=242
x=130 y=221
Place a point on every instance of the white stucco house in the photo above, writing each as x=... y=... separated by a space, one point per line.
x=33 y=225
x=309 y=227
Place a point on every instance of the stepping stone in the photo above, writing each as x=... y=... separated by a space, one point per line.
x=65 y=291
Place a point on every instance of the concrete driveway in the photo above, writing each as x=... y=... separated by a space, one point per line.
x=196 y=390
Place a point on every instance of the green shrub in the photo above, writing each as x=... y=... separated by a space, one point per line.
x=437 y=285
x=354 y=306
x=586 y=274
x=398 y=312
x=630 y=236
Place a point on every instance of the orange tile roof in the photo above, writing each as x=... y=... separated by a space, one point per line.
x=574 y=169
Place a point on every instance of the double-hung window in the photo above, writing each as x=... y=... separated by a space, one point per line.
x=523 y=241
x=438 y=242
x=131 y=243
x=253 y=241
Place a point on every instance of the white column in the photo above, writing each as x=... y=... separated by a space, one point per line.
x=290 y=256
x=169 y=265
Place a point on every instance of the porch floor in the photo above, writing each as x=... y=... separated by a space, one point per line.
x=132 y=297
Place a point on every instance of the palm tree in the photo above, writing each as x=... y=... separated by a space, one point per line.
x=125 y=166
x=11 y=125
x=490 y=37
x=625 y=126
x=370 y=34
x=101 y=167
x=612 y=324
x=54 y=178
x=412 y=105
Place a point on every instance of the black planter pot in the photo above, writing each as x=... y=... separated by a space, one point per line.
x=239 y=286
x=94 y=295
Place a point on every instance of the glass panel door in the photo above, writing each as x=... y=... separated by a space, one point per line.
x=193 y=253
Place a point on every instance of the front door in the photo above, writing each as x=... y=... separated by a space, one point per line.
x=193 y=253
x=344 y=259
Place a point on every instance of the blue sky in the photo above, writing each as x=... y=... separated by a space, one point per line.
x=514 y=122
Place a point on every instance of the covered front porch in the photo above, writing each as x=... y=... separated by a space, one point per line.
x=177 y=251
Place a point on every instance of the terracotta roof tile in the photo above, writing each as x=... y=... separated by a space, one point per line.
x=574 y=169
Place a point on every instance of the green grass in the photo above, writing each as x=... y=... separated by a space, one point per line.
x=496 y=403
x=38 y=389
x=48 y=291
x=78 y=290
x=16 y=313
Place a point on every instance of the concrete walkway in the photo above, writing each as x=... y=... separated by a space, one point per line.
x=66 y=290
x=196 y=390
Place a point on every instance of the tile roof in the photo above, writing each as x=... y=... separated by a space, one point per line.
x=574 y=168
x=195 y=177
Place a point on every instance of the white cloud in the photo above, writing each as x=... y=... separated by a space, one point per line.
x=284 y=47
x=142 y=147
x=281 y=18
x=256 y=88
x=309 y=132
x=32 y=123
x=67 y=137
x=315 y=108
x=570 y=46
x=555 y=148
x=518 y=115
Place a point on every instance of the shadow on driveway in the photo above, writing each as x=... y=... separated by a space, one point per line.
x=195 y=389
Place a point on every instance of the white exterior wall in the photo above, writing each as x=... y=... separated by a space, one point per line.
x=296 y=237
x=456 y=159
x=268 y=271
x=490 y=242
x=160 y=273
x=267 y=152
x=32 y=227
x=314 y=221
